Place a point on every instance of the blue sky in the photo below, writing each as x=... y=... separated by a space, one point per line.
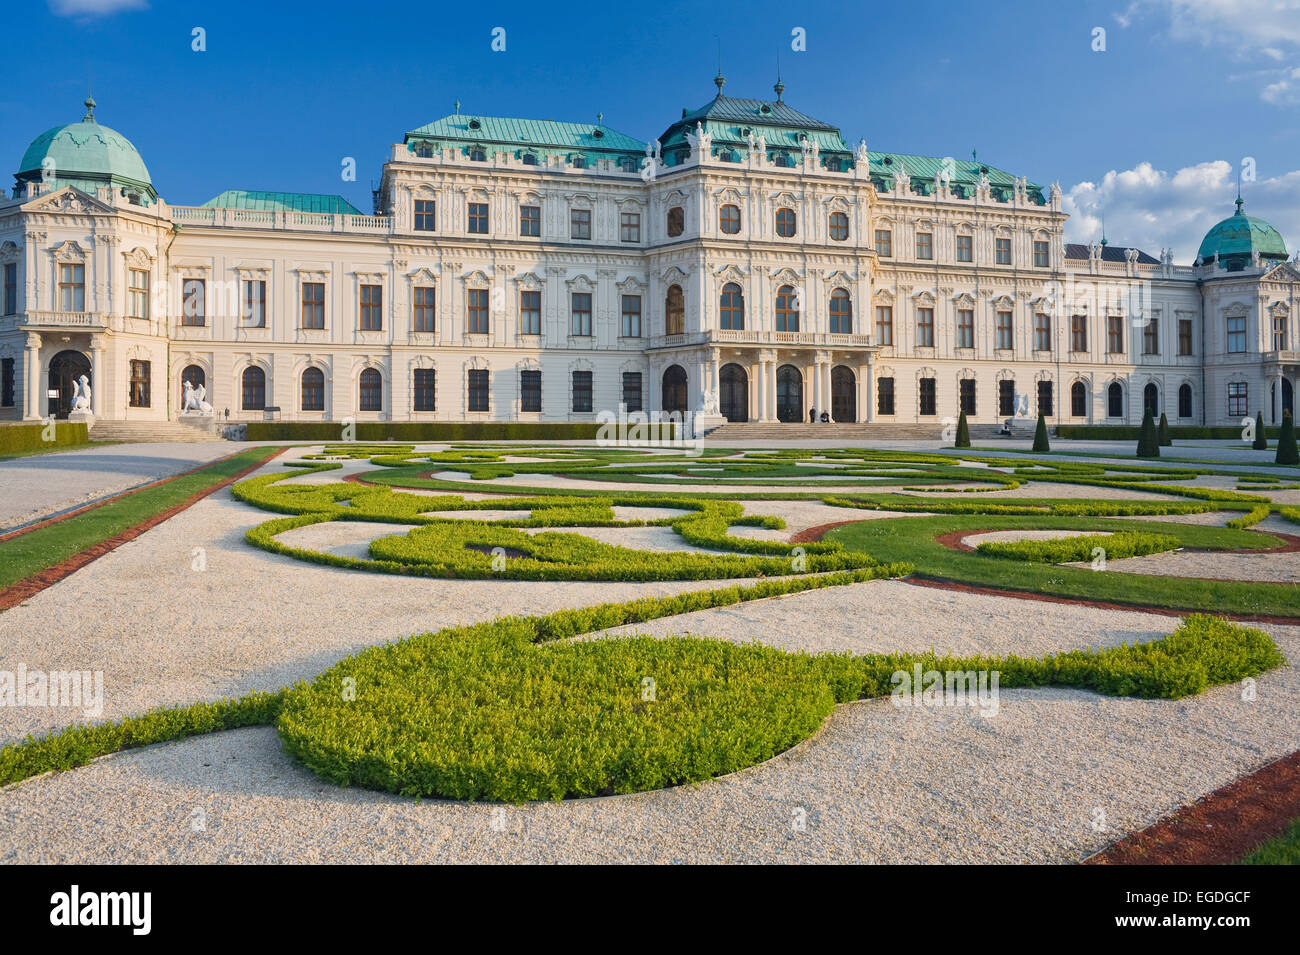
x=1153 y=128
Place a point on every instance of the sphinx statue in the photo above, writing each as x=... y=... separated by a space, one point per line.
x=81 y=395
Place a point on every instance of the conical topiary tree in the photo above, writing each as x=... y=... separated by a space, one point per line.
x=1163 y=432
x=963 y=432
x=1148 y=439
x=1040 y=435
x=1287 y=452
x=1261 y=441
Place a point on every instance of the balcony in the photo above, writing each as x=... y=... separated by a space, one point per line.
x=86 y=320
x=1282 y=357
x=747 y=336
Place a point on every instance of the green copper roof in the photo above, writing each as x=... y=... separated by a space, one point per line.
x=87 y=155
x=1238 y=237
x=282 y=202
x=540 y=136
x=730 y=120
x=963 y=174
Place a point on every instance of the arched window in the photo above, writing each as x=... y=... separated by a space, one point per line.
x=254 y=389
x=1151 y=399
x=1115 y=400
x=787 y=310
x=732 y=306
x=1079 y=400
x=313 y=390
x=785 y=223
x=1184 y=401
x=841 y=312
x=372 y=390
x=729 y=219
x=676 y=220
x=675 y=311
x=196 y=377
x=839 y=225
x=674 y=389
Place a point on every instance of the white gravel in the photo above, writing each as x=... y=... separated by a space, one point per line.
x=1006 y=537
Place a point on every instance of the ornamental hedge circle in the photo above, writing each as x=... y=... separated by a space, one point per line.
x=1063 y=550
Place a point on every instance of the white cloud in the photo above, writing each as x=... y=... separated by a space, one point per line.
x=1151 y=209
x=1245 y=30
x=94 y=8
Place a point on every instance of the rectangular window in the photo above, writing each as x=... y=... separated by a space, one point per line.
x=1003 y=333
x=1185 y=336
x=884 y=243
x=530 y=220
x=372 y=308
x=965 y=328
x=423 y=316
x=1045 y=398
x=530 y=390
x=478 y=218
x=924 y=245
x=72 y=288
x=194 y=296
x=885 y=396
x=478 y=389
x=581 y=314
x=313 y=304
x=138 y=288
x=1237 y=334
x=476 y=311
x=1041 y=259
x=1006 y=398
x=255 y=304
x=582 y=391
x=141 y=372
x=965 y=248
x=530 y=313
x=1151 y=337
x=425 y=392
x=632 y=399
x=426 y=219
x=6 y=382
x=1279 y=332
x=1002 y=248
x=1238 y=406
x=966 y=395
x=884 y=325
x=313 y=389
x=1042 y=332
x=1078 y=333
x=927 y=395
x=631 y=316
x=925 y=327
x=579 y=223
x=1115 y=334
x=629 y=227
x=11 y=288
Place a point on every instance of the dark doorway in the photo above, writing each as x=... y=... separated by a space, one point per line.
x=844 y=394
x=675 y=389
x=734 y=399
x=1151 y=400
x=789 y=394
x=66 y=368
x=196 y=376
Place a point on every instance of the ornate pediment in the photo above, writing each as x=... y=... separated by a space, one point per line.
x=529 y=281
x=1286 y=272
x=139 y=257
x=69 y=251
x=68 y=199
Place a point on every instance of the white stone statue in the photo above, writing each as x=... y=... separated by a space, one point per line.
x=860 y=154
x=1021 y=406
x=709 y=403
x=81 y=394
x=193 y=400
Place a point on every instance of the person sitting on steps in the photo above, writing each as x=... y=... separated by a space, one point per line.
x=826 y=417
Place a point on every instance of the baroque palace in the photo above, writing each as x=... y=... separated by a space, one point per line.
x=522 y=270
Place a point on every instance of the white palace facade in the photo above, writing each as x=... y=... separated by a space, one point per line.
x=524 y=270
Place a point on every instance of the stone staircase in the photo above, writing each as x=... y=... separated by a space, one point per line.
x=831 y=431
x=139 y=432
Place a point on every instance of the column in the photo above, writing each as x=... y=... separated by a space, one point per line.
x=760 y=372
x=97 y=382
x=1278 y=418
x=771 y=389
x=32 y=372
x=866 y=404
x=826 y=385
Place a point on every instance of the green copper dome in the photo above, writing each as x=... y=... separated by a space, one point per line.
x=1237 y=238
x=87 y=155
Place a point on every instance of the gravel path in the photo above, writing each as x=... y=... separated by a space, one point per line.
x=45 y=484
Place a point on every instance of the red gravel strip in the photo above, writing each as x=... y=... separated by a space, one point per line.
x=1219 y=828
x=26 y=588
x=811 y=535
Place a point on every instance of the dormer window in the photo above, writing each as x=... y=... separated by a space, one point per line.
x=627 y=164
x=477 y=155
x=424 y=151
x=530 y=159
x=475 y=124
x=579 y=162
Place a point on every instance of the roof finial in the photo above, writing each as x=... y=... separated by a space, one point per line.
x=1239 y=201
x=779 y=87
x=89 y=103
x=1103 y=226
x=457 y=107
x=719 y=81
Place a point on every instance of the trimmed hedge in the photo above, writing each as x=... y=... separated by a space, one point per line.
x=425 y=431
x=1124 y=432
x=1063 y=550
x=17 y=438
